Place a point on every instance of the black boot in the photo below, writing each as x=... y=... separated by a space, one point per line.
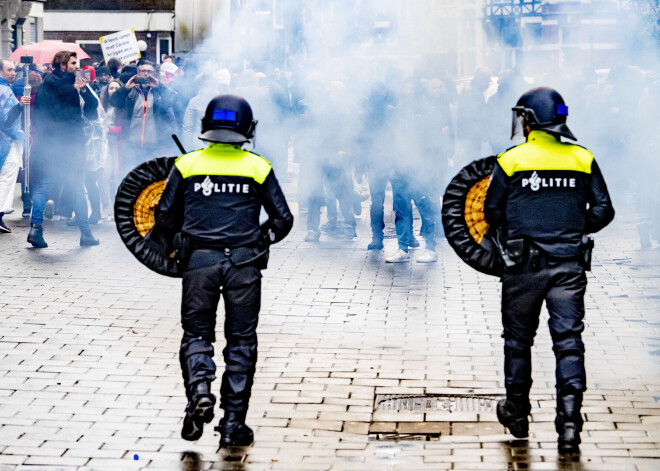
x=4 y=228
x=36 y=236
x=569 y=421
x=199 y=411
x=87 y=239
x=233 y=431
x=512 y=412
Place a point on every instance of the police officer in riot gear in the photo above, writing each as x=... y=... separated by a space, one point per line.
x=544 y=197
x=212 y=199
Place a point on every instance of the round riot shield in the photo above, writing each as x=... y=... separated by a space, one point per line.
x=463 y=217
x=135 y=204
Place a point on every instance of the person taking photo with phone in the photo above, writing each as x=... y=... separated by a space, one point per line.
x=58 y=151
x=148 y=105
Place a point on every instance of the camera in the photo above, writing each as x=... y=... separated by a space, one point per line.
x=26 y=59
x=86 y=74
x=141 y=80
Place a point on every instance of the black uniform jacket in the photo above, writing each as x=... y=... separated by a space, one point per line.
x=214 y=196
x=549 y=192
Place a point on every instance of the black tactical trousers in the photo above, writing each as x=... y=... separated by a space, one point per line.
x=562 y=285
x=209 y=273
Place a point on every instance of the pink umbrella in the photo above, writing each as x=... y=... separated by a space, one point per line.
x=44 y=51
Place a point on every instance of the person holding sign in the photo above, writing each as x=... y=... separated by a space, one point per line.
x=149 y=108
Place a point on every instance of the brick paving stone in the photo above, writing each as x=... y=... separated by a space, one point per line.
x=423 y=428
x=383 y=427
x=12 y=459
x=89 y=371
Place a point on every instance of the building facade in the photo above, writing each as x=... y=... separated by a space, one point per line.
x=84 y=21
x=551 y=35
x=421 y=32
x=460 y=35
x=21 y=22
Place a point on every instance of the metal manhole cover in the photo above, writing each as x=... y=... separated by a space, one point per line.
x=437 y=402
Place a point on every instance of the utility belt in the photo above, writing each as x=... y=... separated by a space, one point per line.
x=238 y=256
x=241 y=256
x=520 y=254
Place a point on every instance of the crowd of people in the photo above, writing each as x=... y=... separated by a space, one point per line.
x=411 y=131
x=84 y=138
x=418 y=131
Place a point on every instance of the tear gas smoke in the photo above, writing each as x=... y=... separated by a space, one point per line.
x=372 y=86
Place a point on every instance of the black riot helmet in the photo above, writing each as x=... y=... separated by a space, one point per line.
x=228 y=119
x=542 y=109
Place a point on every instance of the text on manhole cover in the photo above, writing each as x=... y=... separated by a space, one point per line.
x=437 y=402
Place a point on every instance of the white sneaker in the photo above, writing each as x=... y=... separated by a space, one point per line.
x=48 y=209
x=398 y=257
x=428 y=256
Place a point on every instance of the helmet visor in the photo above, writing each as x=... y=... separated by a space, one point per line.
x=517 y=124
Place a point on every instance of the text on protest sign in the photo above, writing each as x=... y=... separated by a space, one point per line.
x=122 y=45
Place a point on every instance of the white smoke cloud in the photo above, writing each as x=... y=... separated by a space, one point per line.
x=330 y=57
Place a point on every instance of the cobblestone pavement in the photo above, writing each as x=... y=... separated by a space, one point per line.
x=90 y=380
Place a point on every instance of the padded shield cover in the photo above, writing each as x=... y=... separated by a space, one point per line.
x=135 y=204
x=463 y=217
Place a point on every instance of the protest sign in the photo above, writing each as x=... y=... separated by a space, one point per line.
x=122 y=45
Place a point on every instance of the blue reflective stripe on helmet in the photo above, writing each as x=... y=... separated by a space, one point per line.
x=562 y=110
x=224 y=115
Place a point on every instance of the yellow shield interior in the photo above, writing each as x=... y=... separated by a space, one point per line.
x=143 y=211
x=474 y=209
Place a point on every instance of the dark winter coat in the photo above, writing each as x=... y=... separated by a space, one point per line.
x=164 y=104
x=58 y=116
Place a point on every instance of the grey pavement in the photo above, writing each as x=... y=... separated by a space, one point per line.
x=90 y=380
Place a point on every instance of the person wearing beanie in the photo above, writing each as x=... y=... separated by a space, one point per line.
x=103 y=76
x=126 y=73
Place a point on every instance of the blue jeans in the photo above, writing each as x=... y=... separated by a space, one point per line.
x=73 y=178
x=403 y=193
x=378 y=177
x=339 y=189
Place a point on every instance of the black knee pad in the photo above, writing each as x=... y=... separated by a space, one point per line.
x=568 y=346
x=570 y=372
x=517 y=366
x=197 y=345
x=518 y=353
x=196 y=359
x=240 y=354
